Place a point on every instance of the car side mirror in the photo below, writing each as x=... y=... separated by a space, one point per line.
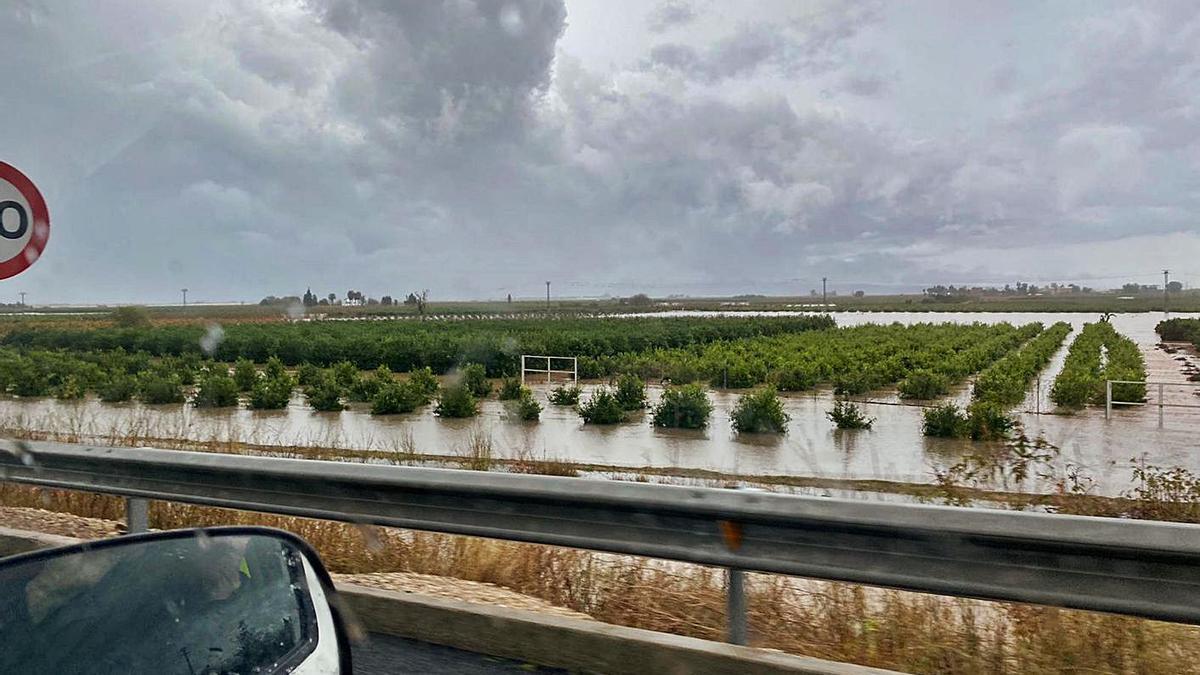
x=212 y=600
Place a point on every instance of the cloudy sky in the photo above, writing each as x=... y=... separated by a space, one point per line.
x=476 y=147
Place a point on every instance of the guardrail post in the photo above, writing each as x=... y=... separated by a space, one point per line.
x=1107 y=399
x=735 y=607
x=137 y=515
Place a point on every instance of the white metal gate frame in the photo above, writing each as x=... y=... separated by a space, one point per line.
x=548 y=370
x=1109 y=402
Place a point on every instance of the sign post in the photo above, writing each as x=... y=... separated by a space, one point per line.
x=24 y=222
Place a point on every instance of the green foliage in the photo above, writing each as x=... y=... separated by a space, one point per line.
x=924 y=384
x=527 y=408
x=456 y=400
x=759 y=412
x=424 y=381
x=1099 y=353
x=407 y=345
x=325 y=394
x=1005 y=382
x=684 y=407
x=245 y=374
x=272 y=393
x=131 y=317
x=510 y=389
x=366 y=388
x=847 y=415
x=117 y=386
x=398 y=397
x=217 y=390
x=564 y=395
x=1179 y=330
x=631 y=392
x=274 y=369
x=981 y=421
x=602 y=408
x=309 y=374
x=474 y=378
x=69 y=389
x=795 y=378
x=157 y=387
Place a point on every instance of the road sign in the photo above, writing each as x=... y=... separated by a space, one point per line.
x=24 y=222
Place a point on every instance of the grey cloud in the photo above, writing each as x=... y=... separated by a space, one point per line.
x=670 y=14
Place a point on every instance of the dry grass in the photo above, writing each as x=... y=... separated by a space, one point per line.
x=890 y=629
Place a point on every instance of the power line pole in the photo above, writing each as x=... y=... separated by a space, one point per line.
x=1166 y=293
x=547 y=296
x=824 y=293
x=22 y=294
x=184 y=296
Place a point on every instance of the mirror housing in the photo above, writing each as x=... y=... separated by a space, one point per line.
x=222 y=599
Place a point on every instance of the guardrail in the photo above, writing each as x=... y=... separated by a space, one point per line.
x=1138 y=568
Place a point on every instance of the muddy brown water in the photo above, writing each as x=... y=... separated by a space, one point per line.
x=894 y=449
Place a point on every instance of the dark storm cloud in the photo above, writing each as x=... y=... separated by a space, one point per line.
x=241 y=149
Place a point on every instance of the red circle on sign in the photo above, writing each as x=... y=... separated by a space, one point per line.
x=41 y=223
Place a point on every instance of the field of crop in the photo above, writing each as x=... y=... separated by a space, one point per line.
x=1005 y=381
x=407 y=345
x=1099 y=353
x=1179 y=330
x=854 y=360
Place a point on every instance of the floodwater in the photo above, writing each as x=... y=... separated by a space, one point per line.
x=894 y=449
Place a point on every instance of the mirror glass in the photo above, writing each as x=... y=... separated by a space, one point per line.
x=193 y=604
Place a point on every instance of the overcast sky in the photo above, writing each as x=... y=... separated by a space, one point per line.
x=243 y=148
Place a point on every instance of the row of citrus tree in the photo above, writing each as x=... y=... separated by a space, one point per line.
x=1099 y=353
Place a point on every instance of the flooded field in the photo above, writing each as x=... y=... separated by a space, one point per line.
x=894 y=449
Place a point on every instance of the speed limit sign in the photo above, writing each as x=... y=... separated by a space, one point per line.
x=24 y=222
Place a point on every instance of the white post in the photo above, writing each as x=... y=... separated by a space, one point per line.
x=1107 y=399
x=575 y=366
x=522 y=370
x=1160 y=405
x=547 y=358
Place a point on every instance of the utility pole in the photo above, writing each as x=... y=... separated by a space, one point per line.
x=1166 y=293
x=547 y=296
x=22 y=294
x=184 y=296
x=824 y=294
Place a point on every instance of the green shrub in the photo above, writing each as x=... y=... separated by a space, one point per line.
x=424 y=381
x=510 y=389
x=924 y=384
x=988 y=421
x=685 y=407
x=564 y=395
x=602 y=408
x=157 y=387
x=274 y=369
x=631 y=392
x=118 y=386
x=272 y=393
x=309 y=374
x=69 y=389
x=759 y=412
x=28 y=379
x=345 y=374
x=325 y=394
x=456 y=401
x=945 y=421
x=474 y=378
x=738 y=375
x=795 y=379
x=529 y=409
x=397 y=397
x=245 y=375
x=846 y=415
x=366 y=388
x=216 y=390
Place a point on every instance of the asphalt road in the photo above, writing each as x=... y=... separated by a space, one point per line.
x=387 y=654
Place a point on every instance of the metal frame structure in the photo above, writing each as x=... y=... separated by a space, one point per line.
x=1140 y=568
x=573 y=372
x=1159 y=402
